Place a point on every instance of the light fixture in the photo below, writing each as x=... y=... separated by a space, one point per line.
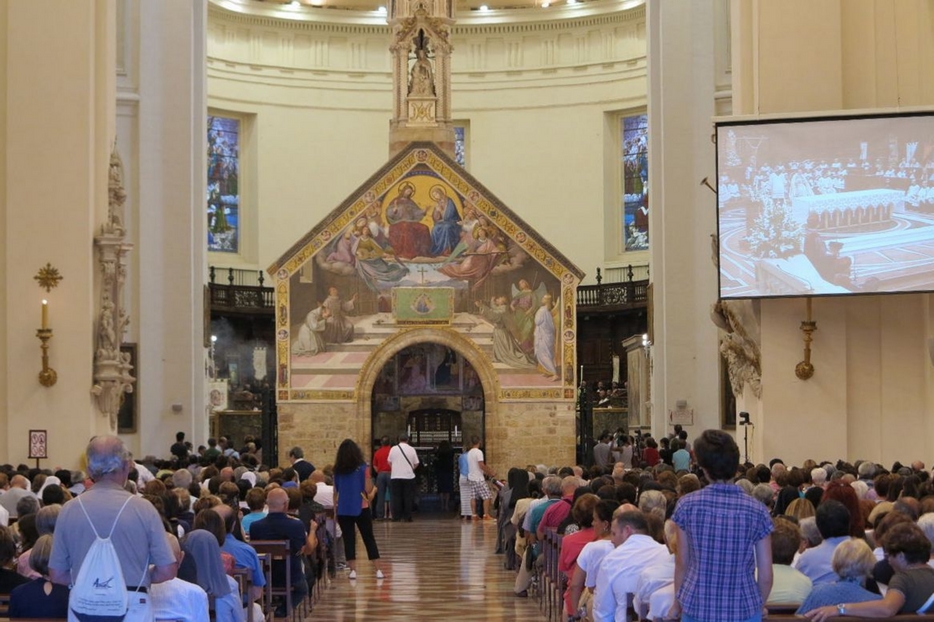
x=484 y=8
x=546 y=4
x=47 y=377
x=572 y=2
x=295 y=3
x=381 y=10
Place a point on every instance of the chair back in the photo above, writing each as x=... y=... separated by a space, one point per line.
x=269 y=552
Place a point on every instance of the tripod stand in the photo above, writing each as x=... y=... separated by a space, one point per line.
x=744 y=421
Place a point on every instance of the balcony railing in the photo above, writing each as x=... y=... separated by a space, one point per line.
x=628 y=293
x=244 y=291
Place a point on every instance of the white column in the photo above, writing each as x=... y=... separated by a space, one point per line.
x=169 y=169
x=57 y=128
x=683 y=213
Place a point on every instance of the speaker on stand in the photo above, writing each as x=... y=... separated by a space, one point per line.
x=744 y=421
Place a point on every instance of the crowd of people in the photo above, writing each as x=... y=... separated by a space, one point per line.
x=710 y=539
x=673 y=530
x=181 y=528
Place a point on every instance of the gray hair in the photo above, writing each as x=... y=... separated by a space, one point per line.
x=818 y=476
x=746 y=485
x=46 y=518
x=551 y=485
x=809 y=531
x=853 y=559
x=764 y=494
x=182 y=478
x=106 y=455
x=653 y=502
x=27 y=505
x=866 y=469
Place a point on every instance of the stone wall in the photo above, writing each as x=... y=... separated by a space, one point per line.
x=517 y=433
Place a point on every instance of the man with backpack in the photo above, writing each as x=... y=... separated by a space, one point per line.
x=133 y=538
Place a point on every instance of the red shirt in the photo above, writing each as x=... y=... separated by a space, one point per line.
x=650 y=456
x=555 y=515
x=381 y=460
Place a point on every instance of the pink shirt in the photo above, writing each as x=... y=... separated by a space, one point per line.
x=555 y=515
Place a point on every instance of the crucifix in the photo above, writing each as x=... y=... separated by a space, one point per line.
x=422 y=271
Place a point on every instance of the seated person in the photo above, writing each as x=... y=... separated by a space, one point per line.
x=256 y=502
x=789 y=586
x=912 y=587
x=852 y=562
x=223 y=592
x=178 y=599
x=833 y=522
x=9 y=578
x=655 y=590
x=619 y=571
x=40 y=598
x=278 y=525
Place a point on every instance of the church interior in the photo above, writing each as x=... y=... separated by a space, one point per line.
x=317 y=220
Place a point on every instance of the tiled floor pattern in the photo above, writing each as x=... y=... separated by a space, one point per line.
x=436 y=569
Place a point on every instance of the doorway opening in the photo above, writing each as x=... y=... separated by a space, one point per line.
x=431 y=392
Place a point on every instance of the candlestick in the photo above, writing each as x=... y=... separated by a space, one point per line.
x=45 y=314
x=582 y=373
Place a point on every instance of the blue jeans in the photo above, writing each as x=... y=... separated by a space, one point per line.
x=382 y=487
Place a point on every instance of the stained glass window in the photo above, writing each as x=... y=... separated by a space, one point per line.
x=460 y=145
x=635 y=181
x=223 y=196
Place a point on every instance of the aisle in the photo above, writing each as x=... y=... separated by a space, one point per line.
x=436 y=569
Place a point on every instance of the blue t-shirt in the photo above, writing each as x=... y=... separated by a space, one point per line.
x=349 y=488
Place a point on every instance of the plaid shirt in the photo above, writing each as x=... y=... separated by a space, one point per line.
x=724 y=524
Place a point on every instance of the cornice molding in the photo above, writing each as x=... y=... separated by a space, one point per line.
x=507 y=21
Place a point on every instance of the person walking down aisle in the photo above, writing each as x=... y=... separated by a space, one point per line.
x=476 y=472
x=403 y=460
x=353 y=491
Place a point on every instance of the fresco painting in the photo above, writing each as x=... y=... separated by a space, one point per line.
x=453 y=259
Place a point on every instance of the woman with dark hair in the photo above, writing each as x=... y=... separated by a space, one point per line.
x=353 y=492
x=785 y=496
x=911 y=590
x=9 y=578
x=724 y=539
x=444 y=473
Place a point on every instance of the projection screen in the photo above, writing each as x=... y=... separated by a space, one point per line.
x=830 y=206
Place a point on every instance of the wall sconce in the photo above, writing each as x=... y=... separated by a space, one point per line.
x=804 y=370
x=48 y=278
x=646 y=345
x=47 y=377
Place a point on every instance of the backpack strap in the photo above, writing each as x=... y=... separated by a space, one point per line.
x=97 y=535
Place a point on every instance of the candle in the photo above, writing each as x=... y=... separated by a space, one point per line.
x=45 y=314
x=582 y=372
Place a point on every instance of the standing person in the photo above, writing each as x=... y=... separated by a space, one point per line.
x=463 y=466
x=402 y=459
x=444 y=473
x=601 y=451
x=107 y=508
x=179 y=449
x=723 y=563
x=301 y=466
x=383 y=477
x=353 y=491
x=476 y=472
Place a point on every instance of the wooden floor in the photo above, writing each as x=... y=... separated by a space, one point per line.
x=436 y=569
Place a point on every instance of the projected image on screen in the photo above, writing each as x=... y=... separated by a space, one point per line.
x=843 y=206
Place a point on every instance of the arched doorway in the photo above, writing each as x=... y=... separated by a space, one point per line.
x=432 y=392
